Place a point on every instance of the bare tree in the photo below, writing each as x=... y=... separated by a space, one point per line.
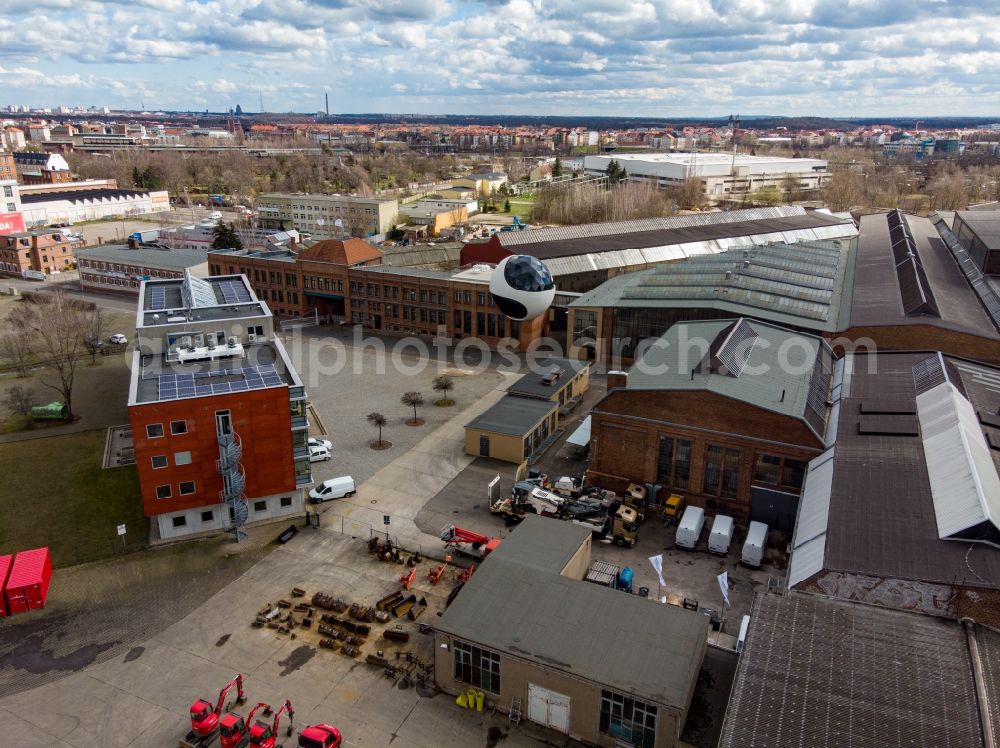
x=413 y=399
x=444 y=384
x=60 y=326
x=19 y=401
x=378 y=420
x=16 y=347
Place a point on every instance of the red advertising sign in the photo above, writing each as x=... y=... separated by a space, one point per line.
x=11 y=223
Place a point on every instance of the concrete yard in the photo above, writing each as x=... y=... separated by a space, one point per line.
x=141 y=698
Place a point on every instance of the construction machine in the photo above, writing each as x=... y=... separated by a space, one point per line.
x=625 y=526
x=264 y=735
x=673 y=508
x=233 y=732
x=468 y=543
x=635 y=497
x=205 y=717
x=320 y=736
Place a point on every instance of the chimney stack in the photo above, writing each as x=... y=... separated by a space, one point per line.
x=617 y=379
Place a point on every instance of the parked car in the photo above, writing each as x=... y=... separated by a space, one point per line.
x=335 y=488
x=215 y=215
x=314 y=442
x=318 y=454
x=118 y=339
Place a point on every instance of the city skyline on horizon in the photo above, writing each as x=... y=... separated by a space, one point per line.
x=591 y=58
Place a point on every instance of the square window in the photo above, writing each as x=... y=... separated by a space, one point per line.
x=286 y=501
x=208 y=516
x=158 y=461
x=178 y=427
x=163 y=492
x=154 y=430
x=180 y=521
x=260 y=506
x=182 y=458
x=187 y=487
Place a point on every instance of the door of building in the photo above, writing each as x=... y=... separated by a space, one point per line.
x=548 y=708
x=484 y=446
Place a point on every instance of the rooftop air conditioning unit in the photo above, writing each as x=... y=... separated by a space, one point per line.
x=186 y=342
x=232 y=341
x=252 y=337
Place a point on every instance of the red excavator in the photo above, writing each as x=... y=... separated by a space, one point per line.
x=205 y=718
x=233 y=728
x=264 y=735
x=468 y=543
x=320 y=736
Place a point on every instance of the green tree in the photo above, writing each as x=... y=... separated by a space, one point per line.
x=225 y=237
x=557 y=168
x=506 y=205
x=19 y=401
x=613 y=171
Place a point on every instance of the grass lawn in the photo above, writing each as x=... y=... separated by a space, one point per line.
x=521 y=207
x=56 y=494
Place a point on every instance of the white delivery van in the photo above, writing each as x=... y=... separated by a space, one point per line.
x=689 y=530
x=753 y=546
x=335 y=488
x=721 y=535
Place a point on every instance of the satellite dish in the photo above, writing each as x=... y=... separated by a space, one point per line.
x=338 y=222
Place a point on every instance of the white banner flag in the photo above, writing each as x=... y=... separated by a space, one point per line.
x=657 y=562
x=724 y=586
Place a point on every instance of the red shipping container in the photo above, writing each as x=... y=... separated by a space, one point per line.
x=5 y=564
x=28 y=584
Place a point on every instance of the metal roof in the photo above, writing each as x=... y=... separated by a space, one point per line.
x=985 y=224
x=819 y=673
x=964 y=483
x=882 y=521
x=517 y=603
x=178 y=259
x=79 y=196
x=806 y=284
x=512 y=415
x=581 y=436
x=809 y=539
x=778 y=372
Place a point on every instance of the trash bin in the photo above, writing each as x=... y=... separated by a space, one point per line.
x=644 y=592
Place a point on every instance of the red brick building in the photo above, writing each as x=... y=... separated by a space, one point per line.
x=217 y=410
x=41 y=251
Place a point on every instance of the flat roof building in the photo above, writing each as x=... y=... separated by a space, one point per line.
x=979 y=232
x=209 y=384
x=826 y=674
x=333 y=215
x=722 y=174
x=513 y=429
x=580 y=658
x=116 y=268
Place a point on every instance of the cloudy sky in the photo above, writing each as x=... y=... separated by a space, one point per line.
x=614 y=57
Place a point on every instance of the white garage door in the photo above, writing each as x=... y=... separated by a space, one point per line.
x=548 y=708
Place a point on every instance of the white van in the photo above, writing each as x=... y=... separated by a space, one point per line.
x=215 y=215
x=335 y=488
x=689 y=530
x=721 y=535
x=753 y=546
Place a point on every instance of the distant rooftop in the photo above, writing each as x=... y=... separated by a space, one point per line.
x=326 y=196
x=985 y=224
x=191 y=298
x=534 y=383
x=806 y=285
x=79 y=196
x=513 y=415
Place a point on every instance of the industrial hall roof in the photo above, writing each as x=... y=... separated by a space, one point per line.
x=563 y=241
x=806 y=285
x=519 y=604
x=906 y=274
x=79 y=196
x=985 y=224
x=757 y=363
x=348 y=252
x=820 y=673
x=909 y=488
x=514 y=416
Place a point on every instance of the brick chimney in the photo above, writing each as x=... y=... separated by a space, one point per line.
x=617 y=379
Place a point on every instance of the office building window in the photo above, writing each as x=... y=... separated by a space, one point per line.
x=158 y=461
x=182 y=458
x=785 y=473
x=163 y=492
x=673 y=467
x=186 y=487
x=477 y=667
x=154 y=430
x=260 y=506
x=178 y=427
x=629 y=720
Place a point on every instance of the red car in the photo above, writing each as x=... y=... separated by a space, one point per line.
x=320 y=736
